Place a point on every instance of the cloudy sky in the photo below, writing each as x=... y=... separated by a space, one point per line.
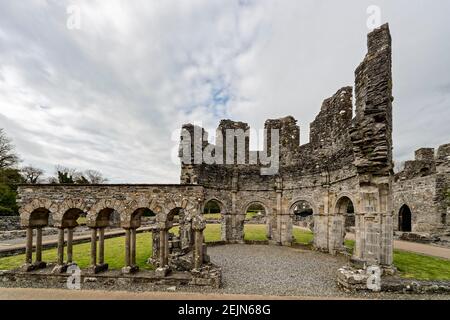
x=111 y=94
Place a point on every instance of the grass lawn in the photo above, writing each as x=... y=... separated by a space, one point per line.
x=114 y=253
x=211 y=216
x=418 y=266
x=410 y=265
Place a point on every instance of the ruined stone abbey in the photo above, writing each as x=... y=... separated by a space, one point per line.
x=344 y=174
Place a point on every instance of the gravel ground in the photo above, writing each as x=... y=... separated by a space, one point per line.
x=276 y=270
x=254 y=270
x=285 y=271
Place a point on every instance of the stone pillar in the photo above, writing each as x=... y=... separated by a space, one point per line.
x=38 y=245
x=127 y=247
x=198 y=225
x=29 y=247
x=69 y=245
x=133 y=248
x=163 y=247
x=93 y=247
x=60 y=246
x=101 y=246
x=130 y=251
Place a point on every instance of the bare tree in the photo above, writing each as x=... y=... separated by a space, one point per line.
x=8 y=157
x=94 y=177
x=31 y=174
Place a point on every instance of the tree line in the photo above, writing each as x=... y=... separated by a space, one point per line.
x=12 y=174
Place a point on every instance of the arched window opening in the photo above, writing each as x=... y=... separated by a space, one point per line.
x=404 y=219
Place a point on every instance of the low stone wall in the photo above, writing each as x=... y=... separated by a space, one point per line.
x=352 y=280
x=208 y=276
x=14 y=234
x=9 y=223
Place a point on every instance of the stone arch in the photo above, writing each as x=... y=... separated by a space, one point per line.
x=242 y=217
x=342 y=195
x=189 y=208
x=339 y=221
x=223 y=207
x=405 y=218
x=226 y=228
x=259 y=201
x=70 y=217
x=131 y=213
x=100 y=213
x=37 y=205
x=306 y=222
x=309 y=200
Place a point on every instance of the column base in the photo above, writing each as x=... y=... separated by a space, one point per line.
x=162 y=271
x=130 y=269
x=98 y=268
x=40 y=264
x=153 y=261
x=286 y=243
x=389 y=270
x=60 y=268
x=27 y=267
x=274 y=243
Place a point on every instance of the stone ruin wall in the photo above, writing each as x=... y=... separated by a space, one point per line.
x=423 y=185
x=346 y=156
x=91 y=199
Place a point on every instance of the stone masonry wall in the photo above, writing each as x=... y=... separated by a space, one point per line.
x=424 y=185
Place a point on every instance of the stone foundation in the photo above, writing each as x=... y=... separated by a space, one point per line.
x=351 y=280
x=207 y=276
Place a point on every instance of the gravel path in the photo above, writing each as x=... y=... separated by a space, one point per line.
x=249 y=272
x=274 y=270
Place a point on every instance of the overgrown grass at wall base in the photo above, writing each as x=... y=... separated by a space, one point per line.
x=410 y=265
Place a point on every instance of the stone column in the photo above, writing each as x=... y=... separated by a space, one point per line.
x=60 y=246
x=69 y=245
x=101 y=246
x=133 y=247
x=163 y=247
x=29 y=247
x=198 y=225
x=38 y=245
x=93 y=247
x=127 y=248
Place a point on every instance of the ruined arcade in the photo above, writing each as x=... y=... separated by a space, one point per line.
x=347 y=164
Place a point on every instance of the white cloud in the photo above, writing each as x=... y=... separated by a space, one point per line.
x=109 y=96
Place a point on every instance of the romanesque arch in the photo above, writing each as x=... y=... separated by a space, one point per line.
x=239 y=225
x=303 y=204
x=343 y=217
x=258 y=212
x=224 y=218
x=101 y=212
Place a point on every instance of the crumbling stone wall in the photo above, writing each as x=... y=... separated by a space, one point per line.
x=9 y=223
x=423 y=185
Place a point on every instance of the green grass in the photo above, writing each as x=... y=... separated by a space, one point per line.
x=255 y=232
x=211 y=216
x=302 y=236
x=81 y=220
x=421 y=267
x=410 y=265
x=114 y=254
x=417 y=266
x=250 y=214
